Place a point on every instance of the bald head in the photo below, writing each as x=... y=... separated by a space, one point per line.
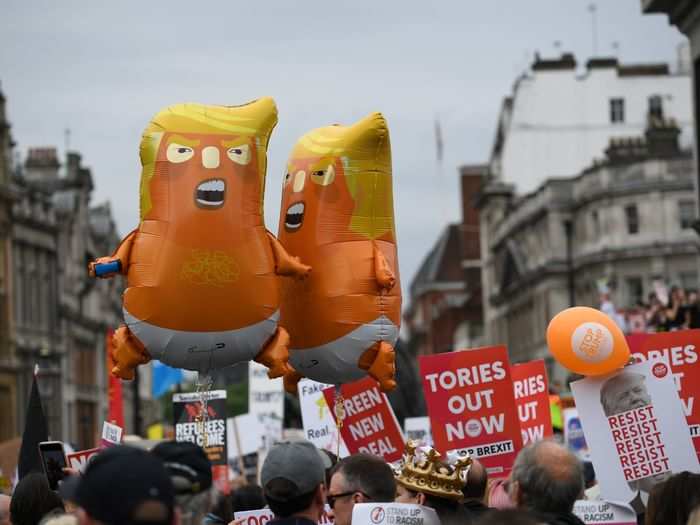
x=547 y=477
x=475 y=487
x=4 y=509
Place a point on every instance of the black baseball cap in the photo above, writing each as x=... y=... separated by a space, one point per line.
x=187 y=464
x=124 y=485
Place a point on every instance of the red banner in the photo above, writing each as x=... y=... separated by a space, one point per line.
x=369 y=424
x=680 y=349
x=115 y=412
x=471 y=405
x=532 y=399
x=79 y=460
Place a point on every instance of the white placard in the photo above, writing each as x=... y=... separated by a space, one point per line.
x=319 y=425
x=393 y=513
x=636 y=430
x=262 y=516
x=604 y=513
x=250 y=434
x=266 y=402
x=418 y=428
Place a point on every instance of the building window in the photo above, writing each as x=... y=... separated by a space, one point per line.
x=656 y=108
x=686 y=213
x=689 y=280
x=595 y=220
x=635 y=291
x=632 y=216
x=617 y=110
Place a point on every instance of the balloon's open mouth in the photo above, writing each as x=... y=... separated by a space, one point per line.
x=210 y=194
x=294 y=216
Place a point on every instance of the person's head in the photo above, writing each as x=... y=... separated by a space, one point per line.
x=32 y=500
x=247 y=497
x=626 y=391
x=477 y=479
x=359 y=478
x=450 y=511
x=189 y=469
x=329 y=462
x=125 y=485
x=546 y=477
x=292 y=478
x=672 y=502
x=4 y=509
x=508 y=517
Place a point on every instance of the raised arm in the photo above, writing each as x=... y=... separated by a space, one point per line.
x=118 y=262
x=285 y=264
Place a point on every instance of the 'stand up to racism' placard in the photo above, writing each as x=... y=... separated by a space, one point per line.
x=369 y=424
x=680 y=351
x=471 y=405
x=532 y=399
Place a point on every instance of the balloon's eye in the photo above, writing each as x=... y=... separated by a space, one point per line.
x=323 y=177
x=178 y=153
x=239 y=154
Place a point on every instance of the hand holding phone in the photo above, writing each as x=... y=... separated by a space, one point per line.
x=53 y=460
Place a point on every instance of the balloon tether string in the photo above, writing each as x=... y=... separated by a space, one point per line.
x=339 y=411
x=204 y=384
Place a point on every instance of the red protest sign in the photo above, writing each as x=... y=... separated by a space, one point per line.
x=680 y=349
x=532 y=400
x=369 y=423
x=470 y=402
x=79 y=460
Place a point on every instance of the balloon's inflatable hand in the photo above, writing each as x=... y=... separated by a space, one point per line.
x=291 y=381
x=104 y=267
x=275 y=355
x=382 y=271
x=285 y=264
x=128 y=354
x=380 y=362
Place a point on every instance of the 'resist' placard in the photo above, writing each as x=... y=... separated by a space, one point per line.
x=532 y=399
x=635 y=427
x=471 y=405
x=368 y=421
x=680 y=350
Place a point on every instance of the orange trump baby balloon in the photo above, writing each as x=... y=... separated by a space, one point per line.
x=586 y=341
x=201 y=267
x=337 y=215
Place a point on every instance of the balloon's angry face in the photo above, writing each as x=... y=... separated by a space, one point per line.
x=314 y=194
x=209 y=172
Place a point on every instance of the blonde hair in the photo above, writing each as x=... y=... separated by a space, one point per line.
x=365 y=151
x=255 y=119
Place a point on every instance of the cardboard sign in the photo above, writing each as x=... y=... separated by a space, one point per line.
x=262 y=516
x=210 y=434
x=680 y=350
x=393 y=514
x=532 y=399
x=244 y=435
x=635 y=427
x=79 y=460
x=266 y=402
x=573 y=432
x=471 y=405
x=605 y=513
x=418 y=429
x=319 y=425
x=111 y=435
x=368 y=421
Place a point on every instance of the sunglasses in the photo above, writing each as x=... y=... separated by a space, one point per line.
x=330 y=498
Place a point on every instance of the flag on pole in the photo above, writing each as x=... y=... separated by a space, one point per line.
x=438 y=140
x=164 y=377
x=35 y=431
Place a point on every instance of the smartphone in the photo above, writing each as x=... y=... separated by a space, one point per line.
x=53 y=459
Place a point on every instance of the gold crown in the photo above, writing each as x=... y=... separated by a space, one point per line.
x=425 y=472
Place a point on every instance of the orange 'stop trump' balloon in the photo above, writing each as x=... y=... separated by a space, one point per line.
x=586 y=341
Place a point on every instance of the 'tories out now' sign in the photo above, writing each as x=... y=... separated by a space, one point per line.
x=471 y=405
x=532 y=400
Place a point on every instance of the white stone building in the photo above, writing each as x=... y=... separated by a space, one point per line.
x=559 y=116
x=626 y=219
